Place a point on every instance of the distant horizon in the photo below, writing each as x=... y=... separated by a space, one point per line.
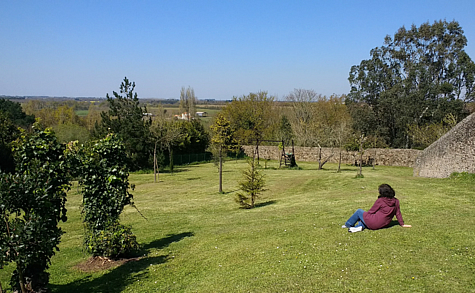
x=78 y=97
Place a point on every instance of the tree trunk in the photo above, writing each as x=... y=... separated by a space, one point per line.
x=252 y=179
x=257 y=151
x=361 y=157
x=21 y=279
x=220 y=171
x=339 y=163
x=374 y=159
x=154 y=163
x=320 y=163
x=319 y=157
x=170 y=152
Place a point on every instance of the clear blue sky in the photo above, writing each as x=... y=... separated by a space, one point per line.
x=219 y=48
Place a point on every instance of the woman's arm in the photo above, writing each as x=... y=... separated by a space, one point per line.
x=399 y=215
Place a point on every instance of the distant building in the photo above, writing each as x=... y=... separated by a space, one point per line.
x=186 y=116
x=183 y=116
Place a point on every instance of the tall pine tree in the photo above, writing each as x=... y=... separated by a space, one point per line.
x=126 y=119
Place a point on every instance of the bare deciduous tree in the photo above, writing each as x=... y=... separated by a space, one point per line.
x=188 y=102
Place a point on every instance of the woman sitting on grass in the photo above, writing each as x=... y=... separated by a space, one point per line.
x=380 y=215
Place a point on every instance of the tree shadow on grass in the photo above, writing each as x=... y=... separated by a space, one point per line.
x=259 y=205
x=175 y=170
x=114 y=281
x=120 y=277
x=164 y=242
x=347 y=170
x=228 y=192
x=263 y=204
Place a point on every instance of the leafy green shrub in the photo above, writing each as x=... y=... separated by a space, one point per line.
x=114 y=241
x=463 y=176
x=32 y=202
x=104 y=177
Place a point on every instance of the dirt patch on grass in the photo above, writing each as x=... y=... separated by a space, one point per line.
x=99 y=263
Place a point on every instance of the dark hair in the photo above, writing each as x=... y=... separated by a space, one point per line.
x=386 y=191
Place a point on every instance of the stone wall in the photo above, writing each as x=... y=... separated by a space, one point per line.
x=386 y=157
x=453 y=152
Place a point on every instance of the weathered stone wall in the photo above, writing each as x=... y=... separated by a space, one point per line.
x=386 y=157
x=453 y=152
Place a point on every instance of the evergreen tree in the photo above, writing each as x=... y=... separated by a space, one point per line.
x=125 y=118
x=11 y=118
x=285 y=130
x=252 y=185
x=14 y=112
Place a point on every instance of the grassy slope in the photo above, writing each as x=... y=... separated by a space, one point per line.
x=197 y=240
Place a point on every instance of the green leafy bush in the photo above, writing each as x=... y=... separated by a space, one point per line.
x=104 y=177
x=114 y=241
x=32 y=202
x=463 y=176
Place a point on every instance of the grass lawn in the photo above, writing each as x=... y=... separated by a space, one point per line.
x=197 y=240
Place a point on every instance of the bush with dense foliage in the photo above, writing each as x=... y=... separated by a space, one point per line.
x=103 y=175
x=32 y=202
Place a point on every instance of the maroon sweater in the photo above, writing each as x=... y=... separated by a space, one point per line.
x=382 y=213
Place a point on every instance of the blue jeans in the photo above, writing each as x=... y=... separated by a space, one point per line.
x=357 y=217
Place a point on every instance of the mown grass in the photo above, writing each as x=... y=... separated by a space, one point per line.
x=197 y=240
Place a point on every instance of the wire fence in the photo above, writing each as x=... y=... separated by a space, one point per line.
x=185 y=159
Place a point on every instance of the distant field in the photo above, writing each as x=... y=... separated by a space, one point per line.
x=211 y=111
x=82 y=113
x=197 y=240
x=174 y=110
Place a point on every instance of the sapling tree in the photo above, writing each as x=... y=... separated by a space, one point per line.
x=361 y=152
x=252 y=185
x=221 y=142
x=32 y=202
